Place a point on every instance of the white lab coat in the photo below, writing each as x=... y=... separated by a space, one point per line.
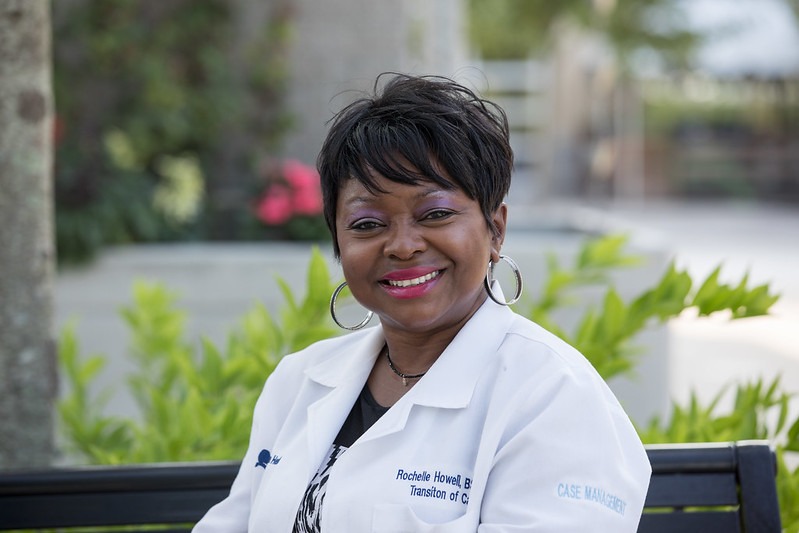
x=510 y=430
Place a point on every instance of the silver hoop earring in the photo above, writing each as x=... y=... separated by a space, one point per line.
x=489 y=279
x=333 y=298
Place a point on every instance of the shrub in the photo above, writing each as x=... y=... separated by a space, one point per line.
x=157 y=103
x=194 y=402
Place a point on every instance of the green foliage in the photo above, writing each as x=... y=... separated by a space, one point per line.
x=119 y=212
x=788 y=492
x=149 y=97
x=195 y=402
x=758 y=411
x=87 y=430
x=515 y=29
x=604 y=334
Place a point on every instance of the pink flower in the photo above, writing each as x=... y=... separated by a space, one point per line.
x=275 y=207
x=304 y=180
x=308 y=201
x=299 y=175
x=293 y=188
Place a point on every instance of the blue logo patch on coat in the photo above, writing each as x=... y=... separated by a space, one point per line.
x=266 y=458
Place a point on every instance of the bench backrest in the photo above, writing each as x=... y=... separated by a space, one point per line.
x=176 y=495
x=712 y=487
x=694 y=488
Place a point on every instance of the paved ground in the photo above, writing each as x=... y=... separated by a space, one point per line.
x=706 y=354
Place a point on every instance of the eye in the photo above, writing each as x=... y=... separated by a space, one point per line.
x=364 y=225
x=437 y=214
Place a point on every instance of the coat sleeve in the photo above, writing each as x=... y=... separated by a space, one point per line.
x=232 y=514
x=569 y=459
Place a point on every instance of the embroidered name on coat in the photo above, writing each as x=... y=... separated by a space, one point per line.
x=592 y=494
x=436 y=485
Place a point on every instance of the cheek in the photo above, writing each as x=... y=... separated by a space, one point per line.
x=354 y=260
x=480 y=267
x=348 y=268
x=482 y=260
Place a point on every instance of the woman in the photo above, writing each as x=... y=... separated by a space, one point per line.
x=454 y=414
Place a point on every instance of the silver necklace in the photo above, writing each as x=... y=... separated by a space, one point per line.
x=405 y=377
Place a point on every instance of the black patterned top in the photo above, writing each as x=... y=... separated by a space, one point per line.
x=364 y=413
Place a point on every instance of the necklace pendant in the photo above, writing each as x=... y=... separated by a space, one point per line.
x=404 y=381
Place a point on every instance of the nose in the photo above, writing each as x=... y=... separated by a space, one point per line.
x=404 y=241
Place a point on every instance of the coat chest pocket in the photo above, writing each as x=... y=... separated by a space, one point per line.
x=394 y=518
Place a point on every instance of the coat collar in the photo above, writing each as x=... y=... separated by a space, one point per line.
x=350 y=361
x=449 y=383
x=451 y=380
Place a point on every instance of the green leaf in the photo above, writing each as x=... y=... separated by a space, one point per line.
x=318 y=284
x=606 y=252
x=613 y=316
x=287 y=295
x=792 y=440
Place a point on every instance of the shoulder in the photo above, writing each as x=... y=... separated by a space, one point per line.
x=527 y=345
x=554 y=388
x=295 y=369
x=295 y=364
x=556 y=416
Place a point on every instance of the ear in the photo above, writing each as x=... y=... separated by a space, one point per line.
x=500 y=224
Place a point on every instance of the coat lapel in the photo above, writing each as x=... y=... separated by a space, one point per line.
x=451 y=381
x=449 y=384
x=343 y=376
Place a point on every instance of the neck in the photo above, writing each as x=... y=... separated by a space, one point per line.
x=405 y=376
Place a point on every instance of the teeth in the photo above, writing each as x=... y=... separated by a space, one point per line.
x=414 y=281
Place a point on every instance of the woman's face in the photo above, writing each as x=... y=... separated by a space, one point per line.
x=417 y=254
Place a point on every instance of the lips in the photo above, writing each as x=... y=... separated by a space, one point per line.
x=414 y=281
x=410 y=283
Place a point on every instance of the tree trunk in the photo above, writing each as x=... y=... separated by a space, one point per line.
x=27 y=349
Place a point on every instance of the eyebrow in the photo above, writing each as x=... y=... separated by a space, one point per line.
x=425 y=193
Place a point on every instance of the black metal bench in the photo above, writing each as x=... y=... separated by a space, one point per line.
x=695 y=488
x=173 y=495
x=727 y=488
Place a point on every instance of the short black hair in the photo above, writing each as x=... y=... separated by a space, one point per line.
x=401 y=131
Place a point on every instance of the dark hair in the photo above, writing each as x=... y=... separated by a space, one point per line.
x=401 y=132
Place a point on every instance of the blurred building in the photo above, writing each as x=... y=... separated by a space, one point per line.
x=580 y=128
x=338 y=48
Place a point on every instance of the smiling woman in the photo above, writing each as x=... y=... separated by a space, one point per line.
x=454 y=413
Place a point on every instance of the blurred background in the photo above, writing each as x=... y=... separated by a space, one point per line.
x=174 y=118
x=186 y=134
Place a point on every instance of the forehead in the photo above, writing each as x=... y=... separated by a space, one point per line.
x=353 y=193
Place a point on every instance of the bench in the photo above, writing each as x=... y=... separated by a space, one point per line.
x=695 y=488
x=712 y=487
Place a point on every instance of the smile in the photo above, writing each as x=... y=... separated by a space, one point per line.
x=414 y=281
